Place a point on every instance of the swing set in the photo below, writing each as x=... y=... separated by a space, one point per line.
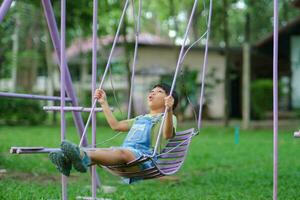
x=170 y=158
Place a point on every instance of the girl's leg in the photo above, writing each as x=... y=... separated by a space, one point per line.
x=110 y=156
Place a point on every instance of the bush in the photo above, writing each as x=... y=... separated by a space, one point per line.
x=21 y=112
x=262 y=97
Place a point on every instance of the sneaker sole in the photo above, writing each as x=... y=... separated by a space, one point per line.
x=60 y=163
x=72 y=152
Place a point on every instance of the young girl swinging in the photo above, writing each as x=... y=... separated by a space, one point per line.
x=140 y=140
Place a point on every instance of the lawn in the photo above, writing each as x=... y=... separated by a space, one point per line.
x=215 y=168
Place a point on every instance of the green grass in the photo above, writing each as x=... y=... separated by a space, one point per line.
x=215 y=168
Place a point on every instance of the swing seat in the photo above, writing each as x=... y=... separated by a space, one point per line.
x=168 y=161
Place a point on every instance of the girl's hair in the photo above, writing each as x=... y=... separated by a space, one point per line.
x=167 y=89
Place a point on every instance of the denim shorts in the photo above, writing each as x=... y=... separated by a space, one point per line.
x=145 y=165
x=137 y=154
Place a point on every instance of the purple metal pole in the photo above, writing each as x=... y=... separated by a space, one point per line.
x=71 y=108
x=69 y=88
x=275 y=101
x=32 y=96
x=94 y=76
x=62 y=87
x=4 y=8
x=106 y=68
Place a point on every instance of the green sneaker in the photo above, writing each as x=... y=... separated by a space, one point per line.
x=61 y=162
x=78 y=157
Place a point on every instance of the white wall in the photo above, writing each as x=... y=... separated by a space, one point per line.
x=295 y=62
x=154 y=59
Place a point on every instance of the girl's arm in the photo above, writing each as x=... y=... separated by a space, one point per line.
x=110 y=118
x=168 y=125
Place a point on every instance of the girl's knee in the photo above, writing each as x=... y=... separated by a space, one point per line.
x=125 y=155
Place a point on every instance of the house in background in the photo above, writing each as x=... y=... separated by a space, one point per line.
x=288 y=54
x=156 y=57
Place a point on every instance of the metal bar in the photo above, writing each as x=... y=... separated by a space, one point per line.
x=75 y=109
x=36 y=150
x=4 y=8
x=64 y=180
x=106 y=68
x=69 y=87
x=275 y=101
x=32 y=96
x=94 y=76
x=70 y=90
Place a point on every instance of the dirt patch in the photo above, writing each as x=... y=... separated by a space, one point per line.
x=34 y=177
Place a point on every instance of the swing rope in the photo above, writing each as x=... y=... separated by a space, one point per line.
x=204 y=66
x=137 y=32
x=106 y=70
x=178 y=65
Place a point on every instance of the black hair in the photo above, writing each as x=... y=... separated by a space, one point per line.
x=167 y=89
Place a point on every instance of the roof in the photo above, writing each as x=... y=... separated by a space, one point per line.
x=296 y=3
x=288 y=28
x=81 y=45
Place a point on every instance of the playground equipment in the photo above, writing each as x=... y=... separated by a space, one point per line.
x=66 y=85
x=170 y=158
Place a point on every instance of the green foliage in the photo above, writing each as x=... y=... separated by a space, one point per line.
x=215 y=168
x=297 y=111
x=21 y=112
x=262 y=97
x=188 y=88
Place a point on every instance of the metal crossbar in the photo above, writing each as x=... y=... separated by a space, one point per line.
x=71 y=108
x=163 y=166
x=32 y=96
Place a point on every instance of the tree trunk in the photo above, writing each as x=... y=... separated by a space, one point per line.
x=195 y=24
x=227 y=64
x=50 y=73
x=127 y=64
x=29 y=56
x=15 y=51
x=246 y=75
x=173 y=16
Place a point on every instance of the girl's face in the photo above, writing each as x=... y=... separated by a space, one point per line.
x=156 y=98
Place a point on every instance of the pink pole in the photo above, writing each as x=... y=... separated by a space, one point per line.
x=275 y=102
